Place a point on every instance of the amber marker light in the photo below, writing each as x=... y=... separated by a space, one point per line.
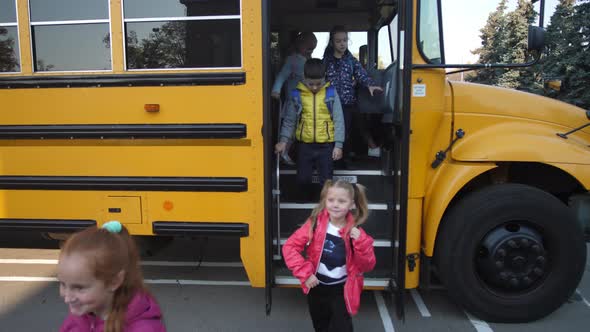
x=168 y=205
x=151 y=107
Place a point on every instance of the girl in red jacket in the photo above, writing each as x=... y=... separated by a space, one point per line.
x=337 y=255
x=101 y=282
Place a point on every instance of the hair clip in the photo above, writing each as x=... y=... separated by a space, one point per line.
x=113 y=226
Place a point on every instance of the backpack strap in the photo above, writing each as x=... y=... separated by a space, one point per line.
x=296 y=98
x=296 y=94
x=329 y=100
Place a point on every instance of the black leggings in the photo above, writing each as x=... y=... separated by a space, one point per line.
x=328 y=309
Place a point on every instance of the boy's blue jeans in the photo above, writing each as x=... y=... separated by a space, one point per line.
x=318 y=154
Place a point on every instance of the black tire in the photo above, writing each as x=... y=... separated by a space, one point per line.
x=498 y=214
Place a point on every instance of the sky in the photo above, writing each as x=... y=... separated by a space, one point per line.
x=462 y=20
x=462 y=31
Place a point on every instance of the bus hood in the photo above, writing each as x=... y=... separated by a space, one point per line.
x=485 y=99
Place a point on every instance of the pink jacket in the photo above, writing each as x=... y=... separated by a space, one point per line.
x=143 y=315
x=358 y=260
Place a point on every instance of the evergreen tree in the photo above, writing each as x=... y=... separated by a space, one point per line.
x=559 y=47
x=517 y=23
x=493 y=37
x=8 y=58
x=578 y=80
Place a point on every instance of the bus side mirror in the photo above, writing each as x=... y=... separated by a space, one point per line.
x=536 y=40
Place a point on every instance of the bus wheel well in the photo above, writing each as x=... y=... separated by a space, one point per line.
x=542 y=176
x=510 y=252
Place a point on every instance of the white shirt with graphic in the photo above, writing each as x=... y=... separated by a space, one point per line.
x=332 y=268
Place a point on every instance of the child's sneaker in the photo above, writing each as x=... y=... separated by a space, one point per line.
x=287 y=160
x=374 y=152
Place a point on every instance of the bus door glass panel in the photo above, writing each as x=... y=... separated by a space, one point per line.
x=428 y=33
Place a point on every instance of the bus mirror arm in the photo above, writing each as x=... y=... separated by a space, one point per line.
x=535 y=44
x=482 y=66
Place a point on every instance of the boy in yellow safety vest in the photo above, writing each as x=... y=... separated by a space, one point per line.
x=314 y=112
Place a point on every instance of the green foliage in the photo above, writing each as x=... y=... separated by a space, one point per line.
x=493 y=39
x=578 y=80
x=517 y=23
x=567 y=55
x=558 y=47
x=164 y=48
x=8 y=58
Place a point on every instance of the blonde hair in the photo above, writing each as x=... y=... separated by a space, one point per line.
x=356 y=191
x=109 y=253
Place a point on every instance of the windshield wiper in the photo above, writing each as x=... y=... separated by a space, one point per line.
x=564 y=135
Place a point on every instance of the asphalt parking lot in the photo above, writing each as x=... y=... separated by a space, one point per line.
x=211 y=293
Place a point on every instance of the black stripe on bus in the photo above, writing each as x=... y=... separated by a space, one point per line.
x=45 y=225
x=119 y=131
x=200 y=228
x=189 y=184
x=112 y=80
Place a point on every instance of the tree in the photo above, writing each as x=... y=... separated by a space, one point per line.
x=492 y=49
x=568 y=37
x=8 y=59
x=578 y=78
x=558 y=45
x=165 y=47
x=517 y=23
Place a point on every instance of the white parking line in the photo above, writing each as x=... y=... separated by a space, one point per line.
x=144 y=263
x=29 y=261
x=28 y=279
x=480 y=325
x=196 y=282
x=204 y=264
x=583 y=299
x=387 y=322
x=147 y=281
x=419 y=303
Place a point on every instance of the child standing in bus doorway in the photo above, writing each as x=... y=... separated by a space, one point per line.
x=338 y=252
x=101 y=282
x=344 y=71
x=314 y=114
x=292 y=73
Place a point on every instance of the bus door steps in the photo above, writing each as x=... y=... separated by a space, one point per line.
x=379 y=185
x=382 y=254
x=378 y=283
x=377 y=243
x=378 y=278
x=379 y=223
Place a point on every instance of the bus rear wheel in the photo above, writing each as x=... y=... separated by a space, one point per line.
x=510 y=253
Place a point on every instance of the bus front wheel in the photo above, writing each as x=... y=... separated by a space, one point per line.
x=510 y=253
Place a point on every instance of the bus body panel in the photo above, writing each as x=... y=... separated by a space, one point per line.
x=449 y=179
x=208 y=103
x=499 y=127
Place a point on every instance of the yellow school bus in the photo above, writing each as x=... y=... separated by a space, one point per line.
x=158 y=113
